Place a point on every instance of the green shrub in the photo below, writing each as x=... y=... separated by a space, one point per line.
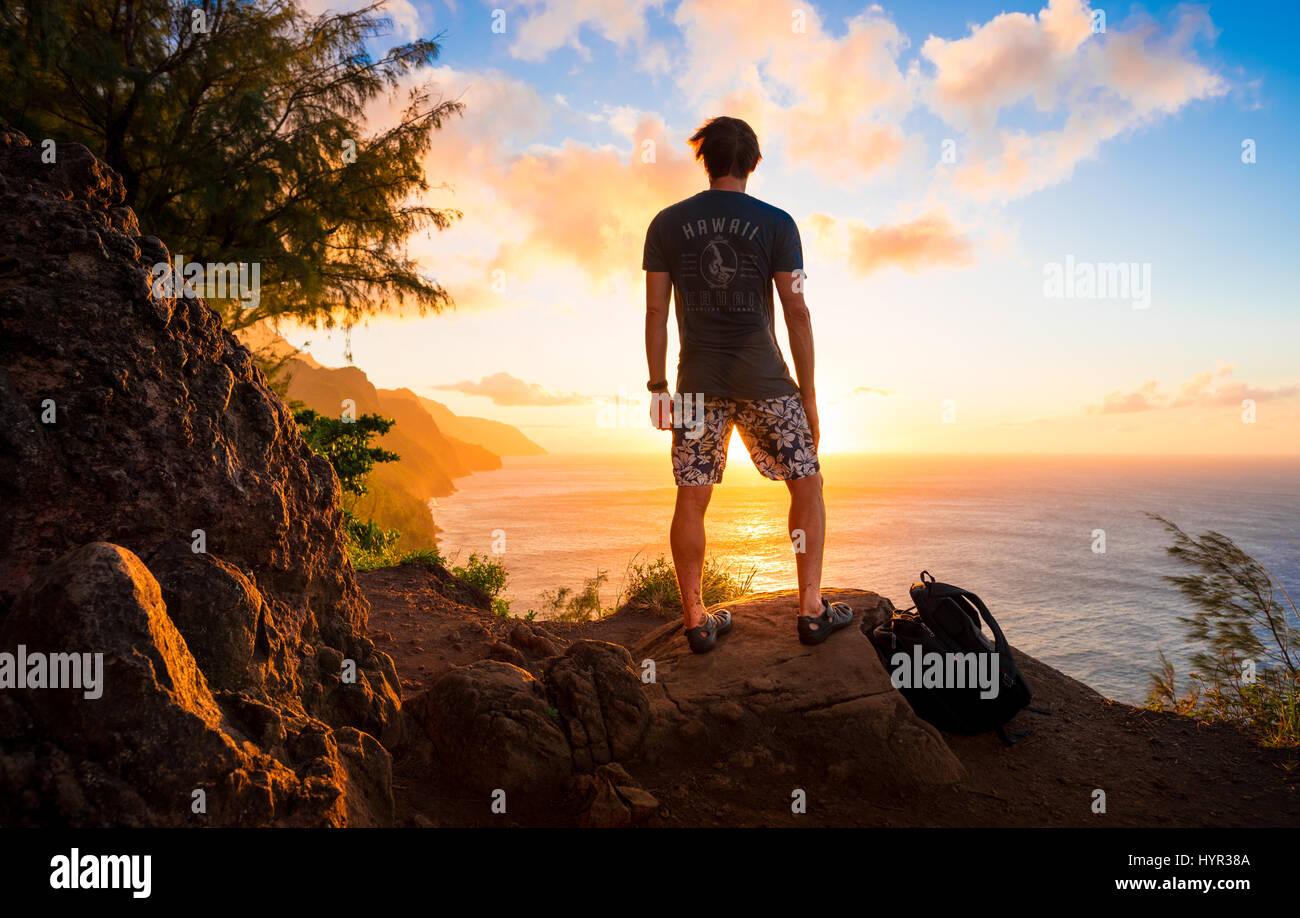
x=370 y=546
x=490 y=577
x=1248 y=671
x=348 y=445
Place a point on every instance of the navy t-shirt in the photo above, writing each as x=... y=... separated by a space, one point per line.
x=721 y=249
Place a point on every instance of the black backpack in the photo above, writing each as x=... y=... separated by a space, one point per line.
x=946 y=620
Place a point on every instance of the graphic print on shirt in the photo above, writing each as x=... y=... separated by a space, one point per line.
x=719 y=265
x=720 y=262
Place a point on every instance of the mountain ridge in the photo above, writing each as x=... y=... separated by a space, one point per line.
x=436 y=445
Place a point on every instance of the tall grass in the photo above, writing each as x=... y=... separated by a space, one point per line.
x=1248 y=670
x=567 y=605
x=651 y=586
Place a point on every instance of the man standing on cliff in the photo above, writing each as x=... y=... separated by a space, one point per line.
x=718 y=254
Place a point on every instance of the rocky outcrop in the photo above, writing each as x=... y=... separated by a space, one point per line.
x=766 y=732
x=231 y=621
x=154 y=745
x=495 y=727
x=492 y=727
x=611 y=799
x=509 y=706
x=600 y=701
x=828 y=710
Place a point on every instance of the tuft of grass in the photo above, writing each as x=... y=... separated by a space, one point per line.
x=369 y=545
x=369 y=560
x=416 y=555
x=566 y=605
x=652 y=585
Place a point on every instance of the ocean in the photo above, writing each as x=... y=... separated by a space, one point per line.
x=1019 y=531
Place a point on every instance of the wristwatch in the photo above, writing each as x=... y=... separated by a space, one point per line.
x=661 y=386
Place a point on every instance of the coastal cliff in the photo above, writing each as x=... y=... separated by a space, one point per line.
x=165 y=524
x=436 y=445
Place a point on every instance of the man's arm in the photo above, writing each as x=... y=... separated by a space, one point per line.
x=798 y=322
x=658 y=290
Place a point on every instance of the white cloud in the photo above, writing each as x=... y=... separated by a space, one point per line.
x=548 y=25
x=1097 y=85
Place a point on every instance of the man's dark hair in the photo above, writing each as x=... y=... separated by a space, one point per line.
x=727 y=146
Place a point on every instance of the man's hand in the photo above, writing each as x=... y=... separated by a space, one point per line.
x=661 y=410
x=814 y=422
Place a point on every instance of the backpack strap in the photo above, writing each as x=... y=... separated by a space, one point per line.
x=922 y=592
x=929 y=590
x=999 y=640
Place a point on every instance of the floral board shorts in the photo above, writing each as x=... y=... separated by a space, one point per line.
x=775 y=430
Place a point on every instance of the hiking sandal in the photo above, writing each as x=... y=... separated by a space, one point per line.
x=834 y=617
x=705 y=638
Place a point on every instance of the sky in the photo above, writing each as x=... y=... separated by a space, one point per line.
x=958 y=172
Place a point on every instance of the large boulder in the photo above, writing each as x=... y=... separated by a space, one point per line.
x=141 y=718
x=221 y=613
x=132 y=417
x=827 y=712
x=599 y=696
x=493 y=729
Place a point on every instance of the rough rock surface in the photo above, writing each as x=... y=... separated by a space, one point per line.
x=601 y=702
x=158 y=734
x=612 y=799
x=493 y=728
x=828 y=710
x=135 y=419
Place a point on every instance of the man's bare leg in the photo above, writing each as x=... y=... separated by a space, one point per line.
x=687 y=539
x=808 y=517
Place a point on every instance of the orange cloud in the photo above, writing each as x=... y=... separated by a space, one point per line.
x=1216 y=387
x=1144 y=398
x=539 y=218
x=913 y=245
x=1012 y=57
x=830 y=103
x=592 y=206
x=1212 y=388
x=511 y=391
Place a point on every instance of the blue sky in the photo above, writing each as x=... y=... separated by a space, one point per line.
x=925 y=278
